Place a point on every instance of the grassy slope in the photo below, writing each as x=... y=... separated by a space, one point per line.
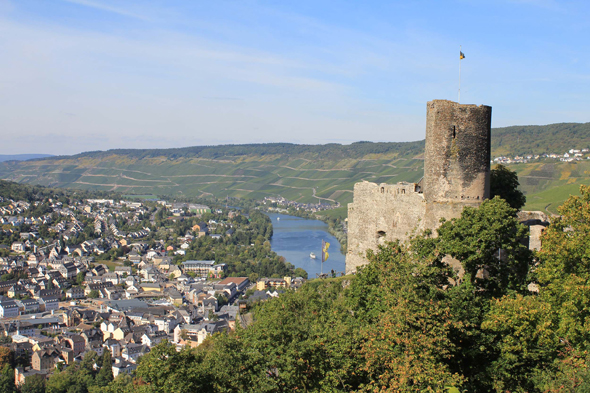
x=251 y=177
x=296 y=171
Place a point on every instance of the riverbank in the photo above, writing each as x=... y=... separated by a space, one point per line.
x=336 y=226
x=295 y=238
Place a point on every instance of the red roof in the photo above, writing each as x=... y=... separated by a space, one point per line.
x=235 y=280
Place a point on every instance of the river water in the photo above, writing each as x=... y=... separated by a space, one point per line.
x=295 y=238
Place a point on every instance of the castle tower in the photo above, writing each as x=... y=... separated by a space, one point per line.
x=456 y=175
x=457 y=152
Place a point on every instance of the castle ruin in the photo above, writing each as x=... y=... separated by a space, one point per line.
x=456 y=174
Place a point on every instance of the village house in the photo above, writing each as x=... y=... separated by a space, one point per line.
x=8 y=309
x=121 y=366
x=204 y=268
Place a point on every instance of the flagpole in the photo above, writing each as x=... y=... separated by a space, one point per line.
x=459 y=101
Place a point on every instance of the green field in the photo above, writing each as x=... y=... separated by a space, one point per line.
x=340 y=212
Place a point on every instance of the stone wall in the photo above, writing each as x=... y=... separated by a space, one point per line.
x=456 y=174
x=380 y=213
x=537 y=222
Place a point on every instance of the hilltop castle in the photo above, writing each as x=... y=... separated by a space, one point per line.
x=456 y=174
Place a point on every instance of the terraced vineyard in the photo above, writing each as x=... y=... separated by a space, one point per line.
x=304 y=173
x=300 y=179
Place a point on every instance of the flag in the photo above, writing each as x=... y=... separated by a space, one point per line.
x=461 y=55
x=325 y=254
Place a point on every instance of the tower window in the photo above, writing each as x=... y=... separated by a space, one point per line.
x=454 y=132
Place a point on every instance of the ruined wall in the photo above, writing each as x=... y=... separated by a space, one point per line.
x=380 y=213
x=536 y=221
x=456 y=174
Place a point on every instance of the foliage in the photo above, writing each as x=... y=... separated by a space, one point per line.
x=105 y=375
x=487 y=242
x=408 y=345
x=7 y=380
x=246 y=252
x=34 y=384
x=504 y=183
x=6 y=357
x=566 y=243
x=299 y=272
x=552 y=138
x=83 y=377
x=407 y=322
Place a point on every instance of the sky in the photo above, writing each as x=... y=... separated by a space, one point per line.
x=84 y=75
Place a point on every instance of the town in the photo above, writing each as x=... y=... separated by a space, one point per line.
x=569 y=156
x=281 y=204
x=91 y=275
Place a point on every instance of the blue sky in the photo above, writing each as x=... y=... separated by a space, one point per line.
x=80 y=75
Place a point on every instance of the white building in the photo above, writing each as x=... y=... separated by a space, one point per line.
x=8 y=309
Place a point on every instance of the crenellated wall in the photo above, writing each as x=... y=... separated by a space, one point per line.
x=456 y=174
x=380 y=213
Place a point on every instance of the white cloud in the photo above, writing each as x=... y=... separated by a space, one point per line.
x=105 y=7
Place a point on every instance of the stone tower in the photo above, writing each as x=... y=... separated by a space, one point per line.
x=457 y=152
x=456 y=174
x=456 y=159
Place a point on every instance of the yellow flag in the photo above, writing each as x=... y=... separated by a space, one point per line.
x=325 y=255
x=461 y=55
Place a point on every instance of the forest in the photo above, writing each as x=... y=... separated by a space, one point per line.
x=407 y=322
x=552 y=138
x=328 y=151
x=513 y=140
x=31 y=193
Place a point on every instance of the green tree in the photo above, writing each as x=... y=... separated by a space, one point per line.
x=34 y=384
x=566 y=242
x=122 y=384
x=105 y=375
x=504 y=183
x=93 y=294
x=6 y=357
x=165 y=370
x=407 y=322
x=7 y=380
x=80 y=278
x=525 y=341
x=487 y=242
x=90 y=359
x=299 y=272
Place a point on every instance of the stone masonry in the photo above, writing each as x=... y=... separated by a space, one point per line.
x=456 y=174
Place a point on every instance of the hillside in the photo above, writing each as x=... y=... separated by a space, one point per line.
x=22 y=157
x=552 y=138
x=304 y=173
x=297 y=172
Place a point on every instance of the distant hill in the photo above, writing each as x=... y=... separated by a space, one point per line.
x=552 y=138
x=321 y=152
x=22 y=157
x=305 y=173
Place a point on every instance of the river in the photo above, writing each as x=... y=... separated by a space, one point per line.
x=295 y=238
